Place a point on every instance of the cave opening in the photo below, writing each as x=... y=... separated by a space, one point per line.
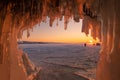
x=57 y=57
x=102 y=16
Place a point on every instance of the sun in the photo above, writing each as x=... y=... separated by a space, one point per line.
x=91 y=41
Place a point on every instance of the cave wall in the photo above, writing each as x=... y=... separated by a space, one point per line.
x=11 y=66
x=101 y=16
x=108 y=67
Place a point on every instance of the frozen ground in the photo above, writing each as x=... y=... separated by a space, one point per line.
x=65 y=61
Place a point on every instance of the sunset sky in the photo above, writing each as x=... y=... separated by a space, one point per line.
x=45 y=33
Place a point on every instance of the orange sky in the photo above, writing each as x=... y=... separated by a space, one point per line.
x=44 y=33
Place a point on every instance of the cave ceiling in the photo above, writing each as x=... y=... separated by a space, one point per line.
x=27 y=13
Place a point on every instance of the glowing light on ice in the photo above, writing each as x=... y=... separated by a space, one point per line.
x=91 y=41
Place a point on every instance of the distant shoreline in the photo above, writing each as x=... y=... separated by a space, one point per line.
x=32 y=42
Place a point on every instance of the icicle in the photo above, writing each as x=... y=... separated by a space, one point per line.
x=28 y=33
x=85 y=26
x=65 y=22
x=44 y=10
x=51 y=21
x=57 y=23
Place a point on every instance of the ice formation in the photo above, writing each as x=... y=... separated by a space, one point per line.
x=101 y=16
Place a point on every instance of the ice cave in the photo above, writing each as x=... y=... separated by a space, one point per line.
x=101 y=16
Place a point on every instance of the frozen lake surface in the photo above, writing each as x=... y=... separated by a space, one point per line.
x=72 y=58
